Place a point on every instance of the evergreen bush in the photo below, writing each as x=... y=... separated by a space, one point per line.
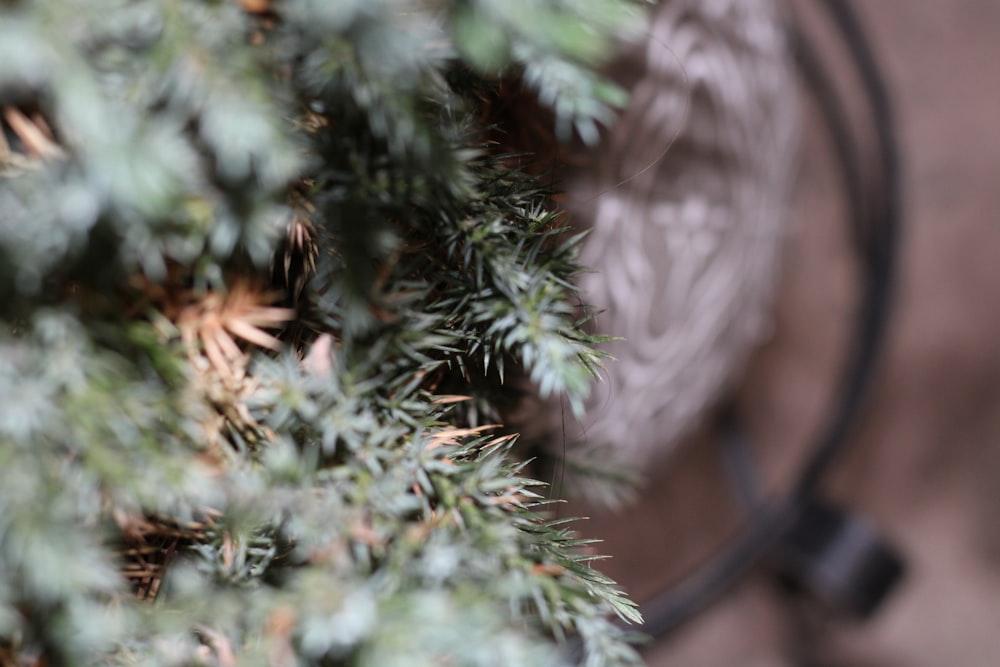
x=261 y=281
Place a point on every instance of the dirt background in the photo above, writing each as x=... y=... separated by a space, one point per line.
x=925 y=463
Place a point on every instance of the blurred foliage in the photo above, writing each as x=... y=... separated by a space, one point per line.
x=260 y=283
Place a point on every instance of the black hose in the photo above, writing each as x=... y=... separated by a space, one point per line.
x=878 y=253
x=875 y=208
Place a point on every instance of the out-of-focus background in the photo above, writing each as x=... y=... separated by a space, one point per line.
x=925 y=463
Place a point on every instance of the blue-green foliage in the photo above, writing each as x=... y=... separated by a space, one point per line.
x=346 y=520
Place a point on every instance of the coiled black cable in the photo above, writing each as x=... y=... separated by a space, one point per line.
x=875 y=204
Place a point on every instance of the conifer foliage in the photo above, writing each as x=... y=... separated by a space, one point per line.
x=261 y=280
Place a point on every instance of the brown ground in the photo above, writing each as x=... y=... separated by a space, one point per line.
x=926 y=462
